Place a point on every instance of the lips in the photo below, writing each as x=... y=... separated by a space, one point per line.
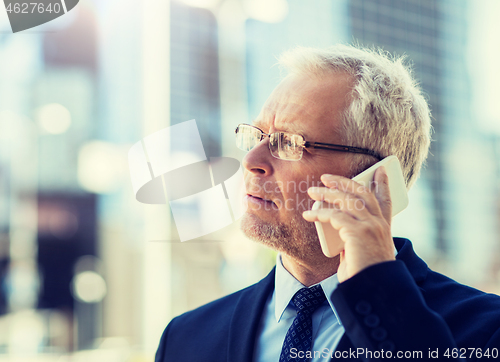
x=255 y=202
x=258 y=197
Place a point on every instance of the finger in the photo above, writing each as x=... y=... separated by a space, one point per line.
x=342 y=256
x=337 y=218
x=352 y=204
x=383 y=193
x=322 y=215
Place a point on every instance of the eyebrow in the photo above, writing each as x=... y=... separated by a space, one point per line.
x=256 y=123
x=293 y=130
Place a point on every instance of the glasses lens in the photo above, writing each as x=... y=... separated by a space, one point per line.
x=286 y=146
x=247 y=137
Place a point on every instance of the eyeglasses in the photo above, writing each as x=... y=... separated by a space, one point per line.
x=288 y=146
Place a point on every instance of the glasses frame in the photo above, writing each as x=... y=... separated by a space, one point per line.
x=318 y=145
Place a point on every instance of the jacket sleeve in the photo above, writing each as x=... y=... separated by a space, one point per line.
x=382 y=308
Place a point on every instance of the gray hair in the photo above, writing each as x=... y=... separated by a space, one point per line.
x=388 y=113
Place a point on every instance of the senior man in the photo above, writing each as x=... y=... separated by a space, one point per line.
x=337 y=112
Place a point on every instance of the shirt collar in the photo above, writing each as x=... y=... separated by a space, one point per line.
x=286 y=286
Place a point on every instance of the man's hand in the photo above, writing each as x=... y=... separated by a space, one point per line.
x=362 y=216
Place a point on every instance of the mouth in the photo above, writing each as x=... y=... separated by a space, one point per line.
x=257 y=197
x=260 y=202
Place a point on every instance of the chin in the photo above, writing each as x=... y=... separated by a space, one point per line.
x=257 y=229
x=297 y=238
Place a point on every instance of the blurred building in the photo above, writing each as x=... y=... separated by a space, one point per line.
x=48 y=222
x=194 y=70
x=461 y=219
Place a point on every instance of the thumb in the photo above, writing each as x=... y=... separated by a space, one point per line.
x=382 y=193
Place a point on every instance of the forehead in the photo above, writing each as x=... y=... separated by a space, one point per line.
x=310 y=106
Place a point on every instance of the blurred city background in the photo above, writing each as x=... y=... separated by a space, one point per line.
x=87 y=273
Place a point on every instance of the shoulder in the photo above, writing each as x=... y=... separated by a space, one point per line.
x=439 y=290
x=218 y=310
x=471 y=313
x=224 y=308
x=461 y=305
x=208 y=327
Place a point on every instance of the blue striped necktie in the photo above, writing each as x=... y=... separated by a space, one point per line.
x=299 y=335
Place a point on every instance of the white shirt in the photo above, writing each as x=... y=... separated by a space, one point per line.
x=279 y=313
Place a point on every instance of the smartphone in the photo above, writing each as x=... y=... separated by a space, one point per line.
x=331 y=244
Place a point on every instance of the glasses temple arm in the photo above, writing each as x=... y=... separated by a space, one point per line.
x=340 y=148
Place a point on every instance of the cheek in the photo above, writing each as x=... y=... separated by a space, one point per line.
x=295 y=180
x=297 y=201
x=341 y=165
x=294 y=191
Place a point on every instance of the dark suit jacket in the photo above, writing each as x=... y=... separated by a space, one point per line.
x=399 y=305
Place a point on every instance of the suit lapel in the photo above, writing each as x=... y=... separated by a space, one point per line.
x=246 y=319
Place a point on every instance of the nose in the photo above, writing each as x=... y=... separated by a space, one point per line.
x=258 y=159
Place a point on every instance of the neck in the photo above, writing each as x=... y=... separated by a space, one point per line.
x=310 y=272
